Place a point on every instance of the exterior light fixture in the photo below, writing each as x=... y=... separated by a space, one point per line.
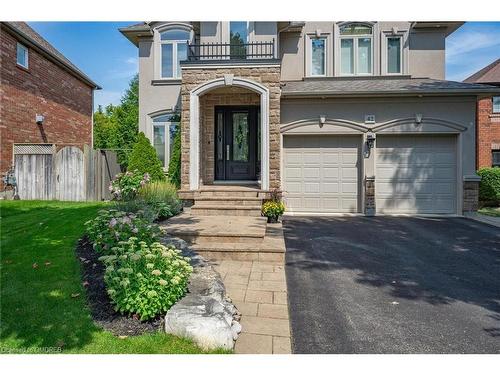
x=370 y=140
x=418 y=118
x=39 y=119
x=322 y=120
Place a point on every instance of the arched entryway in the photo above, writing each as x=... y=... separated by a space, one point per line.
x=199 y=151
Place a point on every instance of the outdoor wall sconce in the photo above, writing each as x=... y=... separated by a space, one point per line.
x=39 y=119
x=322 y=120
x=370 y=140
x=418 y=118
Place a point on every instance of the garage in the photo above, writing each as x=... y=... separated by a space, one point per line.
x=416 y=174
x=321 y=173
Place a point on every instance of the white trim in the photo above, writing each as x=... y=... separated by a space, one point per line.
x=158 y=48
x=309 y=38
x=194 y=127
x=26 y=55
x=384 y=60
x=338 y=49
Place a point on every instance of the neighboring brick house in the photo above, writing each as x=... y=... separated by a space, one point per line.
x=488 y=117
x=343 y=117
x=36 y=79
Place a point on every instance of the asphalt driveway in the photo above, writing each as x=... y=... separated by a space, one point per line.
x=393 y=285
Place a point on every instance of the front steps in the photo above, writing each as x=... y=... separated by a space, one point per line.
x=225 y=223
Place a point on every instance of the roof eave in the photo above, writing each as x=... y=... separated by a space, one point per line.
x=55 y=59
x=133 y=34
x=351 y=94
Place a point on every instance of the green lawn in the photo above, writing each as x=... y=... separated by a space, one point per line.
x=490 y=211
x=39 y=275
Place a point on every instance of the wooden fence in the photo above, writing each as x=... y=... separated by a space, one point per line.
x=69 y=175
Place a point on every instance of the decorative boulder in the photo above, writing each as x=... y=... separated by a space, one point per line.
x=205 y=315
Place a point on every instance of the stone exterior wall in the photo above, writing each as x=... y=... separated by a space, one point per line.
x=471 y=196
x=268 y=76
x=488 y=132
x=221 y=96
x=43 y=88
x=370 y=208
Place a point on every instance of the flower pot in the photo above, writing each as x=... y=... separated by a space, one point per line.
x=272 y=219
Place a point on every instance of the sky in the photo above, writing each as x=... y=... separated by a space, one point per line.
x=111 y=60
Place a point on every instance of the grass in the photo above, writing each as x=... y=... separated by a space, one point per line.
x=39 y=275
x=490 y=211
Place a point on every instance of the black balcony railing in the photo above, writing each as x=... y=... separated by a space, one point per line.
x=230 y=51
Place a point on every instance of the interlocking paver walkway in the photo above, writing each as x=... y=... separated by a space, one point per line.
x=258 y=290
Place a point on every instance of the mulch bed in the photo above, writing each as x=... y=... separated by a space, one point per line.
x=102 y=311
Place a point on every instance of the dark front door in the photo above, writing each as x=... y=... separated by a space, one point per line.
x=236 y=143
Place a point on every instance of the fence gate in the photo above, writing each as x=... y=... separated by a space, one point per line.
x=70 y=174
x=34 y=165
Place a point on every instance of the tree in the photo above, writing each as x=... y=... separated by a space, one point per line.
x=117 y=126
x=174 y=166
x=105 y=127
x=144 y=159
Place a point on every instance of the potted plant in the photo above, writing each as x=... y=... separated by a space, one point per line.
x=274 y=207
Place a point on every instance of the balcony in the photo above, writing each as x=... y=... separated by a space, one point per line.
x=229 y=53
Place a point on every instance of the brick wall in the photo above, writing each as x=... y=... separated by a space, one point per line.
x=488 y=131
x=267 y=76
x=44 y=88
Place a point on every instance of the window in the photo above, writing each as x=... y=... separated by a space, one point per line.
x=22 y=55
x=318 y=56
x=356 y=47
x=173 y=50
x=394 y=55
x=495 y=157
x=496 y=104
x=164 y=129
x=238 y=38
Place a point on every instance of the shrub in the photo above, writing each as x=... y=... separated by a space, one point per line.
x=112 y=226
x=174 y=166
x=144 y=159
x=125 y=186
x=162 y=198
x=489 y=187
x=145 y=279
x=273 y=209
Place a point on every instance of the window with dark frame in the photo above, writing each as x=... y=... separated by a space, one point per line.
x=495 y=158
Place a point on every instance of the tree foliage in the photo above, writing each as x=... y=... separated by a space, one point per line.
x=144 y=159
x=117 y=126
x=174 y=166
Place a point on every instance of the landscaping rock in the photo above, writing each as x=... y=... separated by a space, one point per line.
x=205 y=314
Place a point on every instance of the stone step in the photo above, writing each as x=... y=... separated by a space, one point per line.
x=238 y=247
x=216 y=229
x=227 y=191
x=223 y=210
x=228 y=201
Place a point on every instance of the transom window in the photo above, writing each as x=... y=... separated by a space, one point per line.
x=173 y=50
x=356 y=46
x=164 y=130
x=394 y=52
x=22 y=56
x=496 y=104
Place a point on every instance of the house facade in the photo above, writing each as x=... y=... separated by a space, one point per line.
x=46 y=101
x=343 y=117
x=488 y=117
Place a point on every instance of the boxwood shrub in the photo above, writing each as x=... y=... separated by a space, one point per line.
x=489 y=187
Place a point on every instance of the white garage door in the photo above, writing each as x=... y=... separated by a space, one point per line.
x=416 y=174
x=321 y=173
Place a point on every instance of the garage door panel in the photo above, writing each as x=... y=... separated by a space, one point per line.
x=329 y=176
x=416 y=174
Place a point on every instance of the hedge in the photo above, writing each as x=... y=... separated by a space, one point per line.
x=489 y=187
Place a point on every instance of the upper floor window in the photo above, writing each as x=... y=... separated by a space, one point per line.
x=238 y=39
x=173 y=44
x=22 y=56
x=164 y=130
x=316 y=52
x=356 y=46
x=496 y=104
x=394 y=52
x=495 y=158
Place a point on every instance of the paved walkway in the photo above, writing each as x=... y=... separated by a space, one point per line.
x=258 y=289
x=492 y=220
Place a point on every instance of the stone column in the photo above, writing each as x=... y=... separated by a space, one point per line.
x=471 y=193
x=370 y=208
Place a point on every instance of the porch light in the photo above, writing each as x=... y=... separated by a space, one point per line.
x=370 y=140
x=39 y=119
x=322 y=120
x=418 y=118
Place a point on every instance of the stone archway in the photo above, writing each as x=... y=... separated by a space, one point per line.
x=194 y=124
